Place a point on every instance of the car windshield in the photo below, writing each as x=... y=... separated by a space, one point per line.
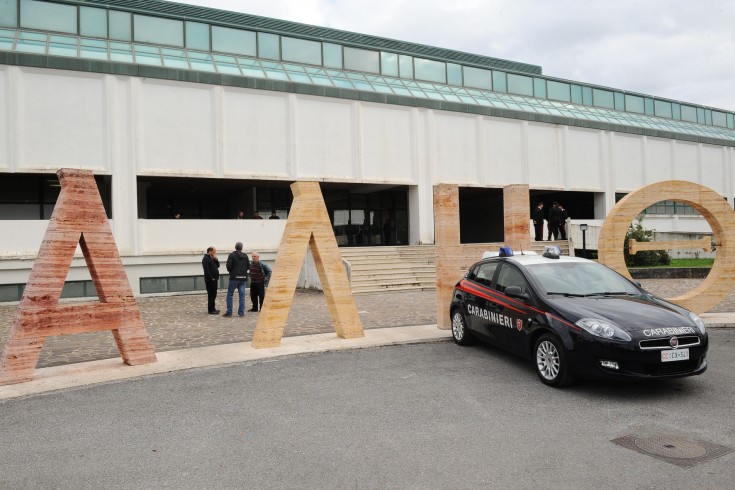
x=580 y=279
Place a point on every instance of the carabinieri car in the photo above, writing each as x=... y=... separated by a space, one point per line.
x=575 y=318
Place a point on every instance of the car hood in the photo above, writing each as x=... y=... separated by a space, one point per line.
x=631 y=313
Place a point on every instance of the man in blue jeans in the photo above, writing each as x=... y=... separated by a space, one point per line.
x=238 y=265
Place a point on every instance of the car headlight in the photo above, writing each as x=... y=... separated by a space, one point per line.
x=697 y=321
x=603 y=328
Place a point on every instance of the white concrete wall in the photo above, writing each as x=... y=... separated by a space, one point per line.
x=174 y=236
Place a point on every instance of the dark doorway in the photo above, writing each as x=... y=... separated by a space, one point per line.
x=480 y=215
x=579 y=205
x=365 y=215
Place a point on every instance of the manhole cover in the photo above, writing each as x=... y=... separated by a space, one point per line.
x=671 y=447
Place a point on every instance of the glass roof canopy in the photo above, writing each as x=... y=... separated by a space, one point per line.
x=40 y=43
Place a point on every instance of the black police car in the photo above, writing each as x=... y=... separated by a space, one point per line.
x=575 y=318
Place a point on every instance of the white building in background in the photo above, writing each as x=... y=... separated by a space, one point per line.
x=201 y=112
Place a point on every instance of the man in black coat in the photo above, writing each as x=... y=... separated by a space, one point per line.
x=555 y=214
x=538 y=222
x=210 y=263
x=238 y=265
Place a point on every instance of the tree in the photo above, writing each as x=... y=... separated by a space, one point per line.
x=646 y=258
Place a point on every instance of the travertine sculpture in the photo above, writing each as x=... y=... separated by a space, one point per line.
x=308 y=226
x=711 y=206
x=78 y=219
x=452 y=258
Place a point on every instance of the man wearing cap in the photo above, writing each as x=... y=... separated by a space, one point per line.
x=238 y=265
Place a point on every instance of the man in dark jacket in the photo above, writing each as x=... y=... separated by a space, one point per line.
x=237 y=265
x=260 y=275
x=538 y=222
x=555 y=214
x=210 y=263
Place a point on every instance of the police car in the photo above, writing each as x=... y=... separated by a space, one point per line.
x=575 y=318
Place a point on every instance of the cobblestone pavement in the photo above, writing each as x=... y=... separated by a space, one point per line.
x=179 y=322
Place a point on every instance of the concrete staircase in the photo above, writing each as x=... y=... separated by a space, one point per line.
x=391 y=268
x=538 y=247
x=403 y=268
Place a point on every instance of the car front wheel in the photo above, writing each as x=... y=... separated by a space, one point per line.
x=551 y=363
x=460 y=333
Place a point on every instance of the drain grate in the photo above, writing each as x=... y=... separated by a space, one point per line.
x=673 y=449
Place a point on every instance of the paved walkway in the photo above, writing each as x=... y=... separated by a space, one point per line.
x=181 y=322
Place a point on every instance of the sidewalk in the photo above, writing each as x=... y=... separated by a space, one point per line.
x=107 y=370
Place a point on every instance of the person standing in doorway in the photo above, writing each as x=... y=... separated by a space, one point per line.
x=274 y=215
x=388 y=229
x=563 y=224
x=538 y=222
x=210 y=264
x=260 y=276
x=554 y=220
x=237 y=265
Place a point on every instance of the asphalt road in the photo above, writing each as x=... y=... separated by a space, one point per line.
x=413 y=416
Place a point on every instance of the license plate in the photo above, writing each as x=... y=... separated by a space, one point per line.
x=674 y=355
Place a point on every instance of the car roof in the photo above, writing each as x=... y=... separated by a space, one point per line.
x=538 y=259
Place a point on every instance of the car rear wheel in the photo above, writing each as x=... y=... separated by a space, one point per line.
x=460 y=333
x=551 y=363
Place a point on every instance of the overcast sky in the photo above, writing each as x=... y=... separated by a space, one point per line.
x=679 y=49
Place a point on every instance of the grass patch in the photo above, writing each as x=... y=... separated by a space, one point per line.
x=690 y=263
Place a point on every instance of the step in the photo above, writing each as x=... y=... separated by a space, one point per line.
x=382 y=290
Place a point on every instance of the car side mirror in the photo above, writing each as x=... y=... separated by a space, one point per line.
x=516 y=292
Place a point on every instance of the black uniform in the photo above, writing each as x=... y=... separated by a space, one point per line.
x=554 y=221
x=538 y=223
x=211 y=280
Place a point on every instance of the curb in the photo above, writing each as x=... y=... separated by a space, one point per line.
x=109 y=370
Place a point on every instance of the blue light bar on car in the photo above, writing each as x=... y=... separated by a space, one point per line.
x=505 y=252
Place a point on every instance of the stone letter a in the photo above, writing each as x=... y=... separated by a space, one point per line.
x=308 y=226
x=78 y=219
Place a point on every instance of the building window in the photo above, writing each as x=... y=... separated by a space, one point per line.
x=332 y=55
x=671 y=208
x=603 y=98
x=663 y=109
x=405 y=66
x=633 y=103
x=158 y=31
x=120 y=26
x=478 y=78
x=33 y=196
x=576 y=94
x=301 y=51
x=362 y=60
x=558 y=91
x=8 y=13
x=454 y=74
x=519 y=84
x=197 y=36
x=389 y=64
x=48 y=16
x=92 y=22
x=233 y=41
x=499 y=82
x=268 y=47
x=431 y=71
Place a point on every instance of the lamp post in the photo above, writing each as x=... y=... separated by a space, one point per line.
x=583 y=229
